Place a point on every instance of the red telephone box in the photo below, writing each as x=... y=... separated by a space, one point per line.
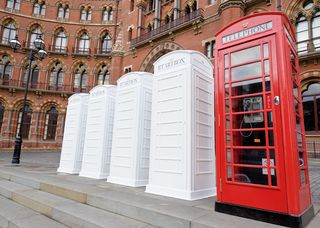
x=262 y=168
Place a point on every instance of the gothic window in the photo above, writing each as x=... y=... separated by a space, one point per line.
x=1 y=115
x=84 y=43
x=194 y=6
x=39 y=7
x=80 y=78
x=210 y=49
x=308 y=29
x=187 y=10
x=5 y=69
x=86 y=14
x=34 y=33
x=149 y=28
x=34 y=75
x=107 y=14
x=63 y=11
x=151 y=5
x=311 y=107
x=56 y=76
x=60 y=41
x=130 y=34
x=50 y=124
x=105 y=43
x=9 y=32
x=131 y=5
x=26 y=122
x=13 y=4
x=103 y=75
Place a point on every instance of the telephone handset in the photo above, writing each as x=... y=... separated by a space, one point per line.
x=253 y=104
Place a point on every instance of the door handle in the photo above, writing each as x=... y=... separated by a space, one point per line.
x=276 y=100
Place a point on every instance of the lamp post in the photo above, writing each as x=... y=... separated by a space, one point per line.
x=37 y=52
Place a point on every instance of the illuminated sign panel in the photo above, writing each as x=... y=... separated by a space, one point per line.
x=247 y=32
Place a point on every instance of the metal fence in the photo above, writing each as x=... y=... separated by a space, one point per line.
x=313 y=149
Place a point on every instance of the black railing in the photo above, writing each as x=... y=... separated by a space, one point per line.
x=57 y=49
x=81 y=51
x=313 y=149
x=164 y=28
x=44 y=86
x=302 y=46
x=103 y=51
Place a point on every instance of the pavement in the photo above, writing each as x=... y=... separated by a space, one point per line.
x=35 y=184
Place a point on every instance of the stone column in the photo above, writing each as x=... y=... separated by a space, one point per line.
x=141 y=8
x=116 y=70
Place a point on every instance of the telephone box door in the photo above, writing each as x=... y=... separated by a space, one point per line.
x=250 y=126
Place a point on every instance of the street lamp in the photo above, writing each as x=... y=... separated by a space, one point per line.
x=37 y=52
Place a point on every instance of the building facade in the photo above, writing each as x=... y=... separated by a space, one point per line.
x=93 y=42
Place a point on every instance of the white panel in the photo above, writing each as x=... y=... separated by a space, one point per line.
x=182 y=152
x=74 y=132
x=99 y=129
x=131 y=139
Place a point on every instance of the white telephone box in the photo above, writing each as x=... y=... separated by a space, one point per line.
x=182 y=156
x=131 y=132
x=98 y=139
x=74 y=132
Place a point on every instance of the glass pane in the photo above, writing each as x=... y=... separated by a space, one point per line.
x=226 y=75
x=227 y=106
x=247 y=121
x=249 y=138
x=227 y=90
x=229 y=173
x=270 y=120
x=228 y=155
x=250 y=175
x=274 y=177
x=268 y=84
x=266 y=67
x=246 y=55
x=308 y=112
x=247 y=87
x=271 y=138
x=247 y=104
x=228 y=139
x=227 y=121
x=226 y=60
x=249 y=156
x=265 y=51
x=246 y=71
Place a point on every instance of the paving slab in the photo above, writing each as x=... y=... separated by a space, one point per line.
x=15 y=215
x=8 y=187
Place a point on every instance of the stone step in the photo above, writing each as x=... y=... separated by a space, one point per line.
x=65 y=211
x=134 y=202
x=14 y=215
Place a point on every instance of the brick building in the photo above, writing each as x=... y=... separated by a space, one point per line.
x=93 y=42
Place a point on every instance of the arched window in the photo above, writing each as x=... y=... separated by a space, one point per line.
x=5 y=70
x=56 y=76
x=33 y=82
x=84 y=43
x=51 y=124
x=151 y=5
x=1 y=115
x=60 y=41
x=80 y=78
x=311 y=107
x=167 y=19
x=86 y=14
x=316 y=30
x=187 y=10
x=63 y=11
x=34 y=33
x=308 y=29
x=9 y=33
x=26 y=122
x=39 y=7
x=130 y=34
x=131 y=5
x=194 y=6
x=106 y=43
x=103 y=75
x=149 y=28
x=13 y=4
